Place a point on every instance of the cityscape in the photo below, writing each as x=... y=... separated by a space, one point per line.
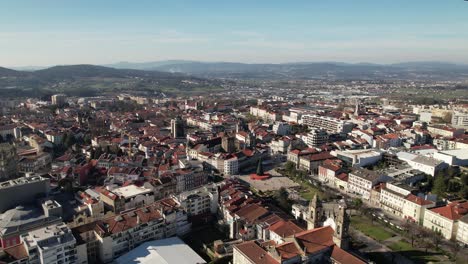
x=272 y=148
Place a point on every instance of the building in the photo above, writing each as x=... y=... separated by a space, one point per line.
x=21 y=191
x=127 y=197
x=359 y=157
x=317 y=138
x=445 y=219
x=425 y=164
x=8 y=161
x=415 y=207
x=454 y=157
x=177 y=128
x=20 y=220
x=228 y=143
x=393 y=197
x=119 y=234
x=330 y=124
x=281 y=128
x=331 y=214
x=460 y=119
x=446 y=131
x=361 y=182
x=170 y=250
x=311 y=246
x=54 y=244
x=58 y=99
x=462 y=232
x=200 y=201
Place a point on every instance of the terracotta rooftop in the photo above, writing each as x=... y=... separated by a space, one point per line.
x=255 y=253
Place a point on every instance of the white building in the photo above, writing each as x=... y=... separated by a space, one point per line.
x=425 y=164
x=455 y=157
x=361 y=181
x=462 y=232
x=201 y=200
x=445 y=219
x=415 y=207
x=169 y=250
x=393 y=198
x=316 y=138
x=330 y=124
x=53 y=244
x=231 y=166
x=281 y=128
x=360 y=157
x=460 y=119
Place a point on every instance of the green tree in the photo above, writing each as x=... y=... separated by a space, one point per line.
x=440 y=186
x=357 y=204
x=281 y=197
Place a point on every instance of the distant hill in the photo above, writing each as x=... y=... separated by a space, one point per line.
x=9 y=72
x=310 y=70
x=92 y=79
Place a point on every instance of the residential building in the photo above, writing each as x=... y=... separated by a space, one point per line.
x=393 y=197
x=53 y=244
x=460 y=119
x=317 y=138
x=361 y=182
x=462 y=232
x=330 y=124
x=415 y=207
x=444 y=219
x=59 y=99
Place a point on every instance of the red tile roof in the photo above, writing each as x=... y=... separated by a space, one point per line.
x=288 y=250
x=316 y=239
x=452 y=211
x=255 y=253
x=342 y=257
x=285 y=228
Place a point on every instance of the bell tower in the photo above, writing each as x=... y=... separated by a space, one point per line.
x=313 y=213
x=341 y=236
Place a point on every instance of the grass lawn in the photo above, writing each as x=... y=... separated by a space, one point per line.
x=401 y=246
x=418 y=256
x=372 y=230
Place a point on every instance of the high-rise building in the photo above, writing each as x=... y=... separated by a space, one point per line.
x=330 y=124
x=177 y=127
x=317 y=138
x=58 y=99
x=8 y=162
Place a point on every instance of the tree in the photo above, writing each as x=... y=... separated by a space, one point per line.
x=440 y=187
x=436 y=238
x=411 y=229
x=281 y=197
x=357 y=204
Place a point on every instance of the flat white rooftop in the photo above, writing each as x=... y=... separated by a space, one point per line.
x=130 y=191
x=165 y=251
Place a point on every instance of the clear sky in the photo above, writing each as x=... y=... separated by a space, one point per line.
x=50 y=32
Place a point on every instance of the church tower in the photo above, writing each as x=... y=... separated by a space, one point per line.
x=313 y=213
x=341 y=236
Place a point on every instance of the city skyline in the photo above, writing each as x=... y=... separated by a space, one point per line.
x=60 y=32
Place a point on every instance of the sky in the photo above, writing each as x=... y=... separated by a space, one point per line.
x=57 y=32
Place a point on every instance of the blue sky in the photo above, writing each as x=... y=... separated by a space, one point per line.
x=50 y=32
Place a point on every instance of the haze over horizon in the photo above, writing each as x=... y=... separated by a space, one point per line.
x=53 y=32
